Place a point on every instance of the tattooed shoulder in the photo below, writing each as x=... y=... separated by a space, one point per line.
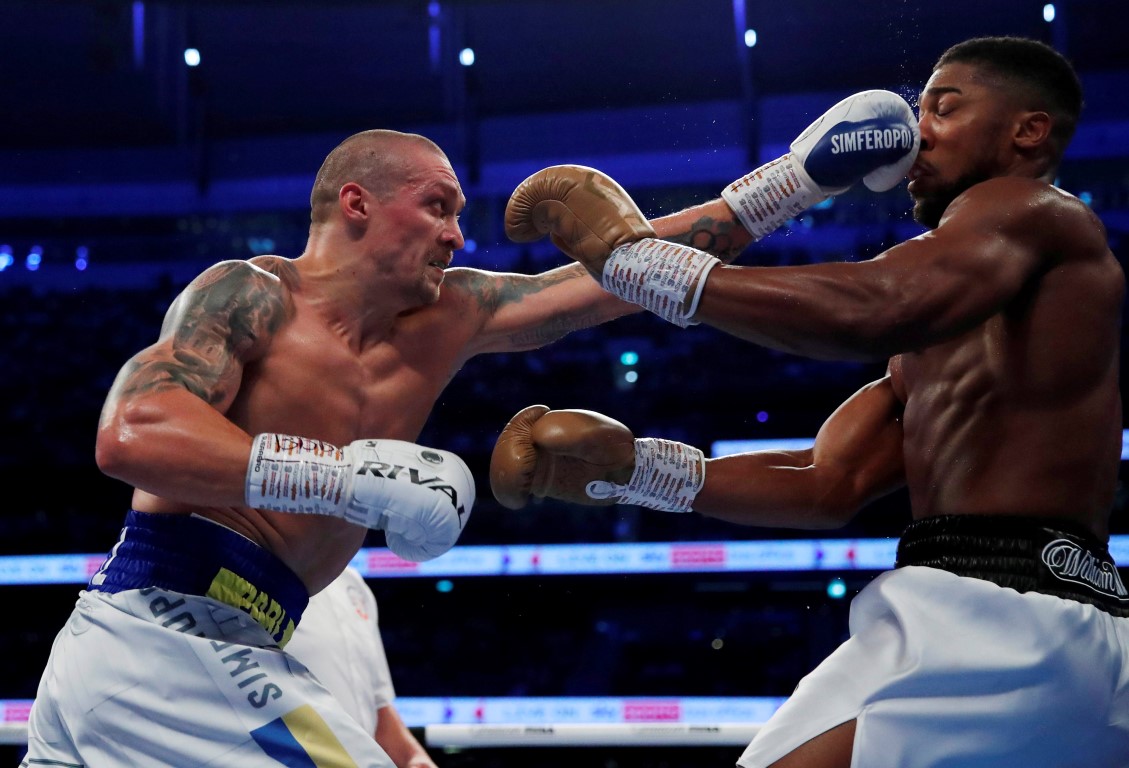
x=249 y=301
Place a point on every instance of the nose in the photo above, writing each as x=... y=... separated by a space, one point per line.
x=453 y=236
x=925 y=128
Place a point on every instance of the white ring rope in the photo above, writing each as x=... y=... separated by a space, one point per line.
x=550 y=735
x=13 y=733
x=591 y=735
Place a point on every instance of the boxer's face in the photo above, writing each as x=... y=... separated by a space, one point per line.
x=417 y=228
x=964 y=122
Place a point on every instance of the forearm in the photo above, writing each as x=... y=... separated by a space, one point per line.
x=772 y=489
x=709 y=227
x=529 y=311
x=175 y=446
x=831 y=311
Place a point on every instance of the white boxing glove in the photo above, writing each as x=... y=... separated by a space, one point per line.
x=420 y=497
x=871 y=136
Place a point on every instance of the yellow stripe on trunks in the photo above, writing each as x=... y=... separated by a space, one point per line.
x=301 y=739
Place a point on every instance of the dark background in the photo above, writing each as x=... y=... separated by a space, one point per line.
x=109 y=143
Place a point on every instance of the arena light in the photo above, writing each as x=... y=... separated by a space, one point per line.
x=626 y=372
x=466 y=57
x=434 y=38
x=34 y=258
x=138 y=34
x=1049 y=12
x=836 y=589
x=81 y=258
x=6 y=258
x=750 y=38
x=192 y=57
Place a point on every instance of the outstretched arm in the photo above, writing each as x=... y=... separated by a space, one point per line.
x=586 y=458
x=931 y=288
x=525 y=312
x=856 y=458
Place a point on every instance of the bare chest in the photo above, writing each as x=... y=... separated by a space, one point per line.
x=312 y=382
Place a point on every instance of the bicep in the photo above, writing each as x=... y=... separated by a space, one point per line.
x=219 y=322
x=856 y=457
x=955 y=277
x=859 y=447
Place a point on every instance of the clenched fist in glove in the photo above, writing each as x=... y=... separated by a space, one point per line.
x=585 y=213
x=584 y=457
x=420 y=497
x=871 y=136
x=589 y=217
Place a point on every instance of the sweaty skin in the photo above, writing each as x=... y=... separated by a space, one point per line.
x=355 y=338
x=1001 y=327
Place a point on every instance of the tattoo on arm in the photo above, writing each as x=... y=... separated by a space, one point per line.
x=492 y=292
x=222 y=315
x=551 y=330
x=720 y=237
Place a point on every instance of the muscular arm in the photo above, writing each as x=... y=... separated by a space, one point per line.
x=856 y=458
x=991 y=241
x=162 y=428
x=525 y=312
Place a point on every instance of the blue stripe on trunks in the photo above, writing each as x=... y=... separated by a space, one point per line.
x=188 y=554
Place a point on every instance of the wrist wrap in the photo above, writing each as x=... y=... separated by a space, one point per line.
x=297 y=474
x=767 y=197
x=667 y=477
x=658 y=276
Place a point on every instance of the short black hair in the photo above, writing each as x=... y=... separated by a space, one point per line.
x=1034 y=66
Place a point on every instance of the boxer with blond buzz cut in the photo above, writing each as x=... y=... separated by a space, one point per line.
x=1001 y=637
x=269 y=426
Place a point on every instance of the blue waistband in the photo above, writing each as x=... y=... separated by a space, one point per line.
x=188 y=554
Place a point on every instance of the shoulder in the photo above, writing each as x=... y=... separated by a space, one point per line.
x=1027 y=211
x=237 y=276
x=1021 y=200
x=251 y=301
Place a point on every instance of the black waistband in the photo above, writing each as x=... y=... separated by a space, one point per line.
x=188 y=554
x=1028 y=554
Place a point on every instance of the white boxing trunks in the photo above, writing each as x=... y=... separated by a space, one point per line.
x=948 y=670
x=156 y=676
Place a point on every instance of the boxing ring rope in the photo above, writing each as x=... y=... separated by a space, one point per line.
x=590 y=735
x=467 y=722
x=443 y=735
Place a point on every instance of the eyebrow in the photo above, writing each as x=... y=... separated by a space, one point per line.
x=449 y=189
x=938 y=90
